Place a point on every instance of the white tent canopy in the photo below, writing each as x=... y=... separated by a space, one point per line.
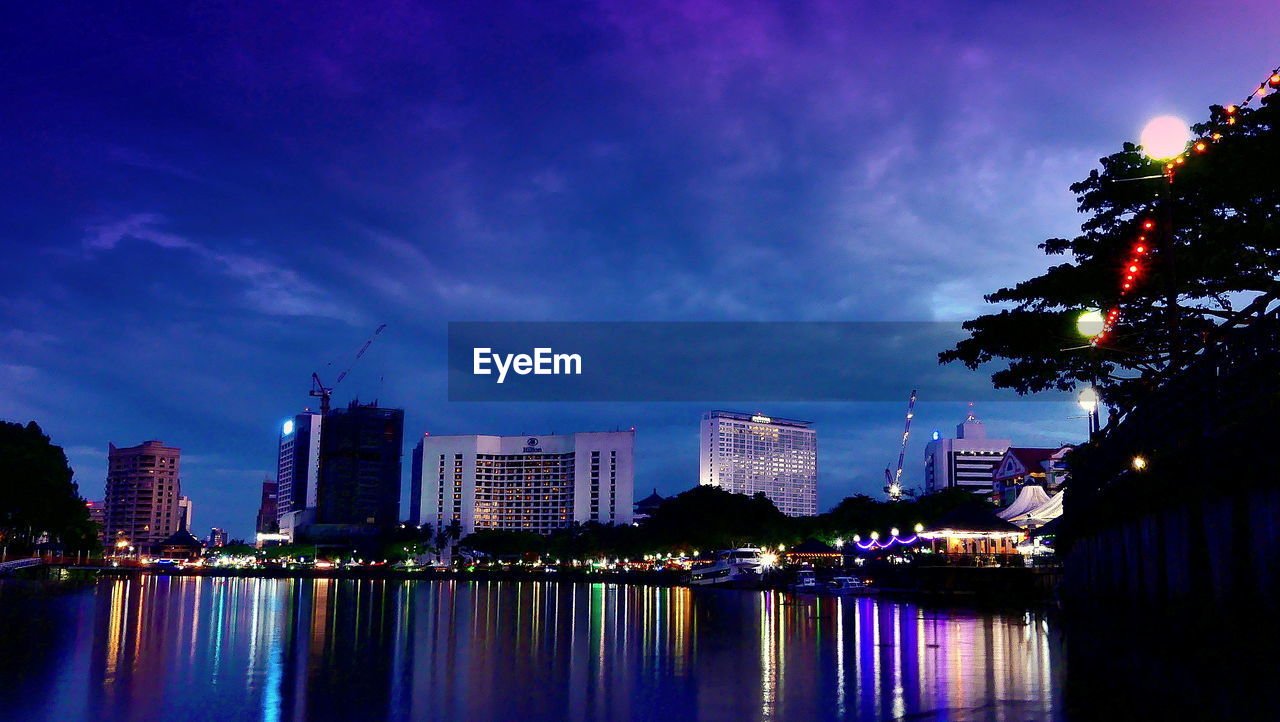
x=1029 y=498
x=1046 y=512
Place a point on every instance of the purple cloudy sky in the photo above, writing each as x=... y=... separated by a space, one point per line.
x=201 y=205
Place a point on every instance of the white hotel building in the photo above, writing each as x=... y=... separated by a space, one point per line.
x=968 y=461
x=524 y=483
x=750 y=453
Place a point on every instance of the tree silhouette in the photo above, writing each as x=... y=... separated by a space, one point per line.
x=37 y=494
x=1222 y=268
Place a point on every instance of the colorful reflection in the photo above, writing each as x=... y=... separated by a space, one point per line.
x=279 y=649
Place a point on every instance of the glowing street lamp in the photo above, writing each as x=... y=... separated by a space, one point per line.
x=1139 y=463
x=1164 y=137
x=1089 y=401
x=1090 y=322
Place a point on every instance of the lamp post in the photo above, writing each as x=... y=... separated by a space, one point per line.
x=1088 y=400
x=1163 y=139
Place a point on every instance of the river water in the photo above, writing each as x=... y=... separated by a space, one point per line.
x=226 y=649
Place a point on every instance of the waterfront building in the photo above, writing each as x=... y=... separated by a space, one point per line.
x=266 y=522
x=180 y=546
x=297 y=471
x=187 y=509
x=140 y=506
x=1021 y=466
x=753 y=453
x=815 y=552
x=525 y=483
x=217 y=537
x=972 y=533
x=967 y=461
x=360 y=453
x=646 y=506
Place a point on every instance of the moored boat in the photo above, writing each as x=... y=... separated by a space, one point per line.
x=842 y=586
x=740 y=566
x=806 y=582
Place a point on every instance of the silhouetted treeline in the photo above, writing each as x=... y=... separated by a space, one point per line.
x=38 y=498
x=707 y=518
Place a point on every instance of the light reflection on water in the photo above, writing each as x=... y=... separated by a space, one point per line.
x=281 y=649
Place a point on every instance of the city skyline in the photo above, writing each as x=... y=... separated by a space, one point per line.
x=823 y=164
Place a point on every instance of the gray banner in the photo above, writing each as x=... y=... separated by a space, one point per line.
x=697 y=361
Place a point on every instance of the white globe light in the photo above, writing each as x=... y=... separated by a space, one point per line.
x=288 y=427
x=1090 y=323
x=1088 y=398
x=1164 y=137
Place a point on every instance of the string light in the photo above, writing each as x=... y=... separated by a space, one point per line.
x=1201 y=145
x=874 y=544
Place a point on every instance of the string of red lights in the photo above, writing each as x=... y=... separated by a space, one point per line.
x=1132 y=271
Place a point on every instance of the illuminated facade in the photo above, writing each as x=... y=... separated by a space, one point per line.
x=297 y=470
x=968 y=461
x=525 y=483
x=142 y=492
x=752 y=453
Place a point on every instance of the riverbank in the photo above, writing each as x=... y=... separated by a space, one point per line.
x=962 y=584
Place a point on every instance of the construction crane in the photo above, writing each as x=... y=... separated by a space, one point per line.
x=893 y=485
x=325 y=392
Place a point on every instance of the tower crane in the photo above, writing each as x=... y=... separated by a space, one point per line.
x=324 y=393
x=893 y=482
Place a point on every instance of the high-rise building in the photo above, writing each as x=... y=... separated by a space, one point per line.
x=415 y=487
x=142 y=492
x=360 y=450
x=217 y=537
x=538 y=484
x=752 y=453
x=266 y=522
x=188 y=509
x=967 y=461
x=297 y=471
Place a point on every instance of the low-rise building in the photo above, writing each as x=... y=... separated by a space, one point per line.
x=1020 y=466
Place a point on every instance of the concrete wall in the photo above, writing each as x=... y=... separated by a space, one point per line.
x=1222 y=551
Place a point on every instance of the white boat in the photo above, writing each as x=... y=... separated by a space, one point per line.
x=732 y=566
x=841 y=586
x=806 y=582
